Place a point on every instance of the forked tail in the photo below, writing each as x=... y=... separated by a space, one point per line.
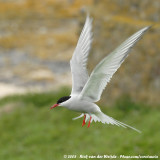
x=101 y=117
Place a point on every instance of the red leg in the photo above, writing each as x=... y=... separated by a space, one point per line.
x=84 y=121
x=89 y=122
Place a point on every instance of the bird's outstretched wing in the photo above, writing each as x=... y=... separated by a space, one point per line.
x=104 y=71
x=79 y=59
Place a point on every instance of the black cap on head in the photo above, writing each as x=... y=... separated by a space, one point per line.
x=63 y=99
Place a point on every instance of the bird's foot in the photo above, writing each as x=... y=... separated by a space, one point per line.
x=89 y=122
x=84 y=121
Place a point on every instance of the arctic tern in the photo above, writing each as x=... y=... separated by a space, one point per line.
x=86 y=90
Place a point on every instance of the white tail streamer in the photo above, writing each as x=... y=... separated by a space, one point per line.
x=101 y=117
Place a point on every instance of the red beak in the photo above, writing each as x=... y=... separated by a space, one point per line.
x=54 y=106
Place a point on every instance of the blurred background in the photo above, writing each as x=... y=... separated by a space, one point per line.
x=37 y=40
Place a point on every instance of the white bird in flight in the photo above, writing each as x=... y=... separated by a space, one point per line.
x=86 y=90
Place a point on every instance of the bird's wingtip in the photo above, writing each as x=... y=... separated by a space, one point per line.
x=147 y=27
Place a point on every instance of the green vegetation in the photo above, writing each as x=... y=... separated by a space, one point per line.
x=29 y=130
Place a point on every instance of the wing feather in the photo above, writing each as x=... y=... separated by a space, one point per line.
x=79 y=59
x=104 y=71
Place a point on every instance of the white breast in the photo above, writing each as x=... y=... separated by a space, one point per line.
x=75 y=104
